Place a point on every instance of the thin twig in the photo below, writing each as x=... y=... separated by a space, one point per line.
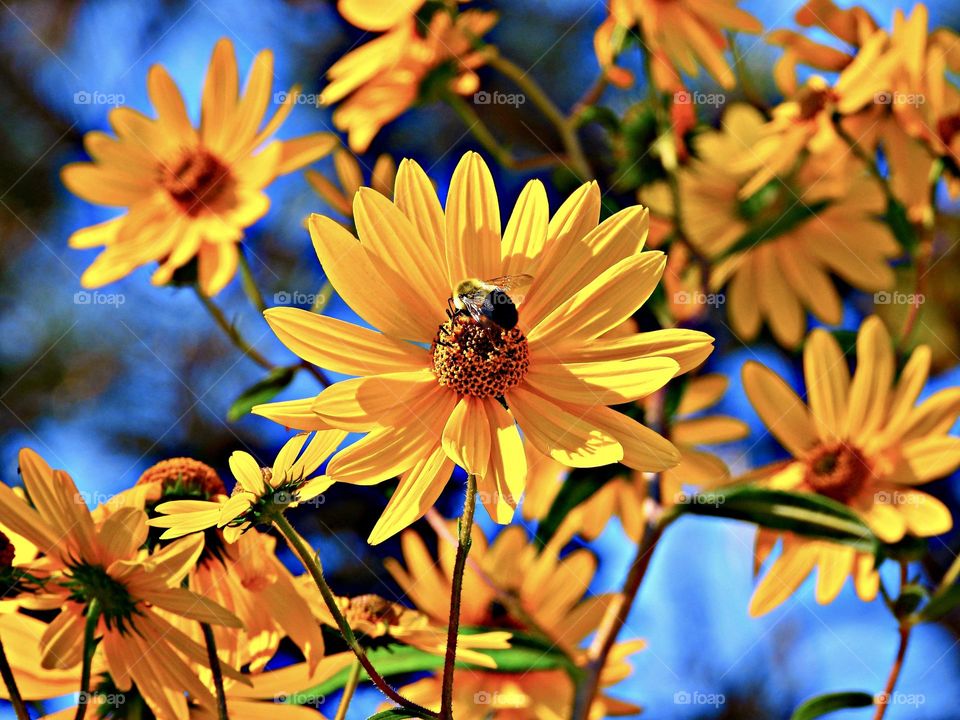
x=353 y=680
x=232 y=333
x=215 y=668
x=89 y=645
x=12 y=690
x=459 y=567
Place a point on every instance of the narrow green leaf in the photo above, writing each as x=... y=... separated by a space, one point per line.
x=802 y=513
x=261 y=391
x=826 y=704
x=940 y=604
x=392 y=714
x=900 y=225
x=911 y=597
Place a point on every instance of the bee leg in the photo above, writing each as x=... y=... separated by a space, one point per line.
x=444 y=343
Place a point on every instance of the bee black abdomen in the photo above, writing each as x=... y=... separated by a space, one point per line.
x=499 y=309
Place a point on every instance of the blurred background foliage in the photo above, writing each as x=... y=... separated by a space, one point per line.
x=105 y=389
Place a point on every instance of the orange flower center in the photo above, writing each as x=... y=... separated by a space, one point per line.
x=812 y=101
x=370 y=608
x=184 y=476
x=479 y=360
x=195 y=180
x=6 y=552
x=838 y=471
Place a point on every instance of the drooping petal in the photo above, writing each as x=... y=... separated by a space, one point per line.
x=466 y=436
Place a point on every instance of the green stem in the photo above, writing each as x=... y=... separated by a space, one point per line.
x=485 y=137
x=232 y=333
x=456 y=590
x=250 y=285
x=12 y=690
x=567 y=127
x=311 y=562
x=89 y=646
x=352 y=682
x=215 y=668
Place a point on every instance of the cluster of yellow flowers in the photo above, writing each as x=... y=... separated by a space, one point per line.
x=511 y=350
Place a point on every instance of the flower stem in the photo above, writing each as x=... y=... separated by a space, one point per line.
x=311 y=562
x=89 y=646
x=485 y=137
x=232 y=333
x=250 y=285
x=614 y=621
x=12 y=690
x=456 y=590
x=885 y=700
x=352 y=681
x=215 y=668
x=567 y=127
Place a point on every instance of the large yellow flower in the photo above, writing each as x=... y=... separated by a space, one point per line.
x=680 y=35
x=776 y=248
x=88 y=562
x=382 y=79
x=624 y=496
x=189 y=192
x=437 y=390
x=547 y=594
x=862 y=442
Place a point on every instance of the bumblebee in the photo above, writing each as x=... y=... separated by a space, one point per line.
x=488 y=302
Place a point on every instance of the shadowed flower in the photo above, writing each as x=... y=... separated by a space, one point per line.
x=862 y=442
x=379 y=81
x=510 y=584
x=259 y=493
x=350 y=179
x=189 y=192
x=438 y=389
x=103 y=565
x=680 y=35
x=775 y=250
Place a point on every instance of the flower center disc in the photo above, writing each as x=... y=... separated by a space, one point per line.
x=471 y=359
x=370 y=608
x=837 y=471
x=184 y=476
x=195 y=181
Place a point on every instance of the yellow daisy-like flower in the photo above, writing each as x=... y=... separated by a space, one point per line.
x=259 y=493
x=680 y=35
x=819 y=219
x=438 y=388
x=624 y=496
x=548 y=590
x=861 y=441
x=374 y=619
x=88 y=562
x=189 y=192
x=379 y=81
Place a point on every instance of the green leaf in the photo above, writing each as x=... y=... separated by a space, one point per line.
x=391 y=714
x=825 y=704
x=940 y=604
x=525 y=654
x=579 y=487
x=801 y=513
x=900 y=225
x=911 y=597
x=261 y=391
x=777 y=226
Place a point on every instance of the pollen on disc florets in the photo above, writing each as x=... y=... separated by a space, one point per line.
x=196 y=179
x=184 y=475
x=471 y=359
x=838 y=471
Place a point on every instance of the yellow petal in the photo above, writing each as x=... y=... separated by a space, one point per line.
x=526 y=231
x=466 y=436
x=364 y=403
x=504 y=483
x=828 y=382
x=784 y=577
x=870 y=388
x=473 y=222
x=247 y=472
x=783 y=413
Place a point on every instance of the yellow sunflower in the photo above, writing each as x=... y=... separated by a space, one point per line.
x=89 y=564
x=437 y=390
x=861 y=441
x=624 y=496
x=380 y=80
x=776 y=249
x=548 y=593
x=189 y=192
x=259 y=493
x=680 y=35
x=374 y=618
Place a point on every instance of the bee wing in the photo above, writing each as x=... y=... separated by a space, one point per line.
x=521 y=281
x=473 y=301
